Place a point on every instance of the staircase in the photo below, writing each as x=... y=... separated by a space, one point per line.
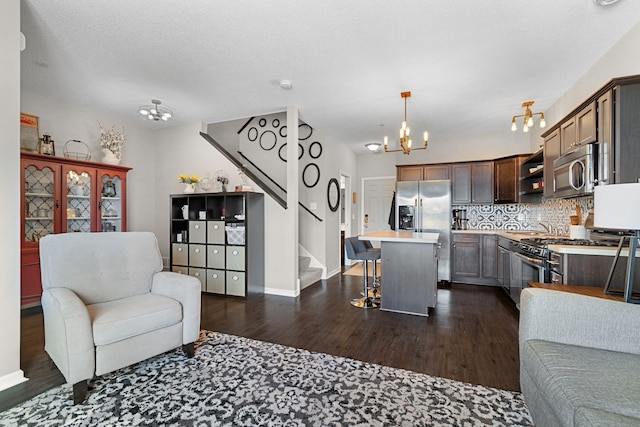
x=308 y=275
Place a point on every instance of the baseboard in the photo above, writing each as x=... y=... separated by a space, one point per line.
x=281 y=292
x=12 y=379
x=333 y=273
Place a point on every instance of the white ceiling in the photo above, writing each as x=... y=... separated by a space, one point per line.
x=469 y=64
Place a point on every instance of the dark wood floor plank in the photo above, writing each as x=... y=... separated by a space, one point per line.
x=471 y=335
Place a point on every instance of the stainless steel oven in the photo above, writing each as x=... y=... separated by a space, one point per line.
x=527 y=265
x=574 y=173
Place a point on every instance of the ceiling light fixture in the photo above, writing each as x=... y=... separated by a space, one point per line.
x=286 y=84
x=155 y=111
x=404 y=141
x=604 y=2
x=373 y=146
x=528 y=118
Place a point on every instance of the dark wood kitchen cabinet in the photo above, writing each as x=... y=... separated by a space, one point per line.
x=579 y=129
x=472 y=183
x=423 y=172
x=507 y=173
x=551 y=151
x=475 y=258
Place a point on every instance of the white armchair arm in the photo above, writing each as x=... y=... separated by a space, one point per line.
x=186 y=290
x=574 y=319
x=68 y=334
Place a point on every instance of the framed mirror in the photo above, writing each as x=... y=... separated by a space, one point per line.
x=333 y=194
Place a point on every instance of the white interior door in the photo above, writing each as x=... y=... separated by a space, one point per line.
x=377 y=196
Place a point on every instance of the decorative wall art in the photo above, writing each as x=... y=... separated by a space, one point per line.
x=282 y=152
x=333 y=194
x=270 y=132
x=29 y=133
x=315 y=150
x=308 y=178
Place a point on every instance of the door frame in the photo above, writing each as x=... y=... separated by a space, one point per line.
x=346 y=201
x=361 y=207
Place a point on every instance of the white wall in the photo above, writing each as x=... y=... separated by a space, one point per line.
x=10 y=373
x=621 y=60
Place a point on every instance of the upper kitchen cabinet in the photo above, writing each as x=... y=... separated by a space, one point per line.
x=551 y=151
x=409 y=173
x=507 y=179
x=618 y=135
x=423 y=172
x=579 y=129
x=472 y=183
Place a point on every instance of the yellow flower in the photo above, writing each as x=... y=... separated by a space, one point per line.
x=186 y=179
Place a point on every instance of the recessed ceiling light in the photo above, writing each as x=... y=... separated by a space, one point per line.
x=286 y=84
x=604 y=2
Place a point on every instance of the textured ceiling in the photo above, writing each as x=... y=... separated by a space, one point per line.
x=469 y=64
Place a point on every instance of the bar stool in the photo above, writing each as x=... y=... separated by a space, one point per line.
x=356 y=250
x=375 y=292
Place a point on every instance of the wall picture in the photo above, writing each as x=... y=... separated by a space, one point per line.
x=29 y=133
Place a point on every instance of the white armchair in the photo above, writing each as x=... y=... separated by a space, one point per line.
x=107 y=304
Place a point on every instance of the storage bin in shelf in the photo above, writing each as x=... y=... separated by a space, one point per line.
x=235 y=235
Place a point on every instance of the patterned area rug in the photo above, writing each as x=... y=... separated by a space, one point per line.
x=241 y=382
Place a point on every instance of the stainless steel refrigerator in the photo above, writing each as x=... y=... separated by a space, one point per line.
x=425 y=206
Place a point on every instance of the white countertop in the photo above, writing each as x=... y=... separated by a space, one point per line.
x=401 y=236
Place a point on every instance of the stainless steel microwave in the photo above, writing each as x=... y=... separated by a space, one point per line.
x=574 y=173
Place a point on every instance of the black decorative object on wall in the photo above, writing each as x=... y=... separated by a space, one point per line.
x=304 y=132
x=283 y=131
x=262 y=122
x=312 y=151
x=275 y=123
x=333 y=194
x=268 y=140
x=252 y=135
x=305 y=178
x=283 y=147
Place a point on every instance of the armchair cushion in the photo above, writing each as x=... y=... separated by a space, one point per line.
x=125 y=318
x=100 y=268
x=574 y=376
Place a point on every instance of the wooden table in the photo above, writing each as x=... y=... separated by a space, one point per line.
x=591 y=291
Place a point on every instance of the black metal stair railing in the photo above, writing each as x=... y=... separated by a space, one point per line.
x=256 y=174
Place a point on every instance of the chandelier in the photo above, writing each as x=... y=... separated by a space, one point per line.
x=405 y=141
x=155 y=111
x=528 y=118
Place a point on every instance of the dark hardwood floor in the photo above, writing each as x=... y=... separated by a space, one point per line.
x=471 y=336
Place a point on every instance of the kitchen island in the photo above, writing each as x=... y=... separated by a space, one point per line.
x=409 y=270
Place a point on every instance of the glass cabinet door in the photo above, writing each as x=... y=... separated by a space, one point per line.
x=111 y=195
x=77 y=195
x=40 y=201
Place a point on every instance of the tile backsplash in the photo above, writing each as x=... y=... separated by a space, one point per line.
x=526 y=216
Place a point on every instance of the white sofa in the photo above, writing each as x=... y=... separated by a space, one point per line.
x=579 y=359
x=108 y=304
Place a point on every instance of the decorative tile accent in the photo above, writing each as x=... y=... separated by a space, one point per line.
x=526 y=216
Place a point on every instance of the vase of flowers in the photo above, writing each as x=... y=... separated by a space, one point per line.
x=111 y=142
x=189 y=182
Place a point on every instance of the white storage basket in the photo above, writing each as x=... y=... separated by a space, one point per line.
x=235 y=235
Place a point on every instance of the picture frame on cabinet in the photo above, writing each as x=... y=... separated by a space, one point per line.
x=29 y=133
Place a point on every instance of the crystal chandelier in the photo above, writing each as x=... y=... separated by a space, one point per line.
x=155 y=111
x=528 y=118
x=405 y=141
